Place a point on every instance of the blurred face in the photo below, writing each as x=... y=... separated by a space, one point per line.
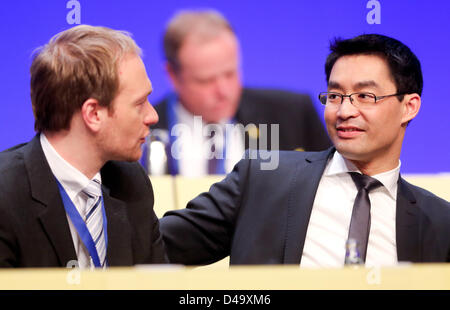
x=371 y=135
x=208 y=81
x=128 y=124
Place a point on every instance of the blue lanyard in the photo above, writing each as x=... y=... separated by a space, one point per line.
x=81 y=227
x=172 y=121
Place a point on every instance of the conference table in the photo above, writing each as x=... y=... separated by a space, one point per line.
x=402 y=277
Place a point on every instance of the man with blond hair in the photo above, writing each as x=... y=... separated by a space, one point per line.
x=74 y=195
x=203 y=63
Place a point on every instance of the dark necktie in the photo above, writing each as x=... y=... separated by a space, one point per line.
x=360 y=222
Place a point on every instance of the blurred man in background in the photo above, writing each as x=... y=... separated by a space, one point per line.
x=203 y=64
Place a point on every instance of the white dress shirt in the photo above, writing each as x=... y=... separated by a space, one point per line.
x=331 y=214
x=73 y=182
x=195 y=148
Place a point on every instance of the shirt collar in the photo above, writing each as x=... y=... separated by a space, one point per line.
x=339 y=165
x=70 y=178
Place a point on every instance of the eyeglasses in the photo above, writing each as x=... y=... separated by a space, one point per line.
x=357 y=99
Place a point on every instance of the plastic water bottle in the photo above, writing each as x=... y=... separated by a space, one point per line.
x=154 y=158
x=352 y=254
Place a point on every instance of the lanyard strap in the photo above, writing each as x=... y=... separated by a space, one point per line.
x=81 y=227
x=172 y=121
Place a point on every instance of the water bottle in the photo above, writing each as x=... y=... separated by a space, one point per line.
x=154 y=158
x=352 y=254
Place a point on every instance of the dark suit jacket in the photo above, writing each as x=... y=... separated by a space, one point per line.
x=300 y=125
x=34 y=231
x=261 y=216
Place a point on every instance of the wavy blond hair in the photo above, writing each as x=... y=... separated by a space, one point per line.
x=75 y=65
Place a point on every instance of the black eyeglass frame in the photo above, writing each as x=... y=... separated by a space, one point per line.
x=377 y=98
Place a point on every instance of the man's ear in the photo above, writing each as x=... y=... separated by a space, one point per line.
x=92 y=114
x=411 y=107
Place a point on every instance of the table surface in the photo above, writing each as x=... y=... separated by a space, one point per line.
x=404 y=277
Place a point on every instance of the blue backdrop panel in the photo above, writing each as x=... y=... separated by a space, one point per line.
x=284 y=44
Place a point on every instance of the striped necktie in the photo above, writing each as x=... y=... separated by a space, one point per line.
x=94 y=218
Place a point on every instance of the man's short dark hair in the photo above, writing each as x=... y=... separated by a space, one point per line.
x=403 y=64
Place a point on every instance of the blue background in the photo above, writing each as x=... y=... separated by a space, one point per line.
x=284 y=44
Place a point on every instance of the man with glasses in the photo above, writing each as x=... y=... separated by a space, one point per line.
x=314 y=204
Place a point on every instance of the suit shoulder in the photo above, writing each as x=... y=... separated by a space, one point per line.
x=14 y=182
x=273 y=105
x=275 y=96
x=122 y=169
x=429 y=201
x=425 y=194
x=127 y=181
x=287 y=158
x=124 y=176
x=11 y=157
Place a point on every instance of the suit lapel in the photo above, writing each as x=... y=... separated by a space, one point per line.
x=302 y=194
x=53 y=218
x=45 y=190
x=120 y=250
x=407 y=224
